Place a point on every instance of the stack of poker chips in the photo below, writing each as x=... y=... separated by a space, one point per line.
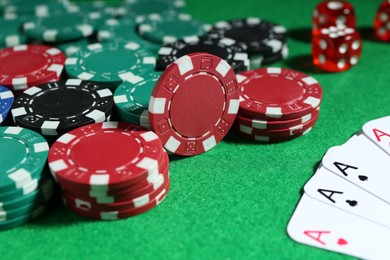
x=110 y=170
x=277 y=104
x=266 y=42
x=25 y=183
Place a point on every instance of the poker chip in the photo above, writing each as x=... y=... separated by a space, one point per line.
x=228 y=49
x=110 y=63
x=110 y=165
x=266 y=40
x=272 y=139
x=55 y=108
x=62 y=27
x=282 y=132
x=120 y=206
x=194 y=103
x=6 y=101
x=32 y=8
x=170 y=27
x=72 y=47
x=275 y=125
x=18 y=168
x=124 y=29
x=118 y=199
x=21 y=220
x=114 y=215
x=136 y=152
x=25 y=184
x=10 y=34
x=257 y=61
x=110 y=194
x=278 y=94
x=133 y=8
x=132 y=99
x=24 y=66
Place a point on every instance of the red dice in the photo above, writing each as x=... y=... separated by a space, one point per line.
x=336 y=48
x=333 y=13
x=382 y=21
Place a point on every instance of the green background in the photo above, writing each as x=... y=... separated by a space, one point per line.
x=233 y=202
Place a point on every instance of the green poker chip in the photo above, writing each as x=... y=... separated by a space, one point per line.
x=124 y=29
x=91 y=6
x=143 y=7
x=33 y=8
x=21 y=220
x=110 y=63
x=10 y=33
x=72 y=47
x=25 y=163
x=168 y=28
x=30 y=188
x=29 y=201
x=34 y=198
x=63 y=27
x=132 y=99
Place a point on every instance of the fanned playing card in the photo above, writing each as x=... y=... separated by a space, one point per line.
x=346 y=205
x=335 y=191
x=317 y=224
x=378 y=131
x=362 y=163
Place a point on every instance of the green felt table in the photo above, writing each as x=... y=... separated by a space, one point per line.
x=233 y=202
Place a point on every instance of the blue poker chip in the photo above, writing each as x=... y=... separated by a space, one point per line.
x=6 y=101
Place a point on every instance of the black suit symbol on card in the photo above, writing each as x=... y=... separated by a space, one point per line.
x=363 y=177
x=352 y=203
x=344 y=167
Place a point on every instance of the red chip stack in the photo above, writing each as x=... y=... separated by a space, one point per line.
x=277 y=104
x=110 y=170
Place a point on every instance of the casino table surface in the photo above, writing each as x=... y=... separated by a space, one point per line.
x=233 y=202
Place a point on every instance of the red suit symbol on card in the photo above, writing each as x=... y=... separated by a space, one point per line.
x=342 y=242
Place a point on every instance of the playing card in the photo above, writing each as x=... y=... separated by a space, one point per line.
x=334 y=190
x=317 y=224
x=378 y=131
x=362 y=163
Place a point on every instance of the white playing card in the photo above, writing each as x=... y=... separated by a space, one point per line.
x=378 y=131
x=317 y=224
x=330 y=188
x=362 y=163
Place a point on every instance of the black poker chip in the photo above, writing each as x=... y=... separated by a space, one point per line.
x=55 y=108
x=261 y=37
x=228 y=49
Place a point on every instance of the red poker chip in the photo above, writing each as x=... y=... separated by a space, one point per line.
x=40 y=82
x=24 y=66
x=132 y=203
x=274 y=125
x=105 y=155
x=124 y=195
x=114 y=215
x=194 y=103
x=269 y=139
x=293 y=130
x=278 y=94
x=105 y=192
